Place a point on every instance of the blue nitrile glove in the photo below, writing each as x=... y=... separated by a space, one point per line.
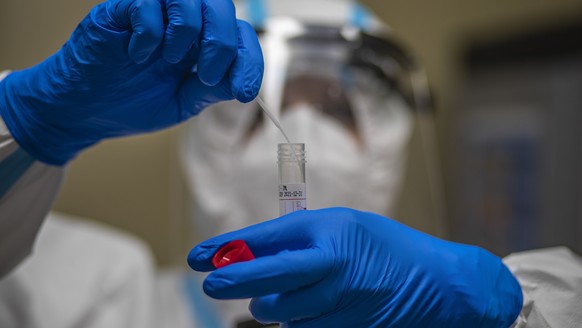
x=131 y=66
x=343 y=268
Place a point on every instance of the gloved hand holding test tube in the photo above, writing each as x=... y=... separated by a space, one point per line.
x=340 y=267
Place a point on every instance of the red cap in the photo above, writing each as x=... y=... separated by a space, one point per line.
x=233 y=252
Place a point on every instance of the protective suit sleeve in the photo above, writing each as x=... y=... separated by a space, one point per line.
x=551 y=281
x=27 y=191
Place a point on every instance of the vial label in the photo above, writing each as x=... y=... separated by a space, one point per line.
x=292 y=197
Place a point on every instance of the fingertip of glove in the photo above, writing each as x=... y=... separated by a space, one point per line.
x=245 y=97
x=208 y=79
x=199 y=258
x=208 y=287
x=213 y=286
x=248 y=92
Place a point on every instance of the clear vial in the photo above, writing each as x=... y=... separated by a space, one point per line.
x=292 y=190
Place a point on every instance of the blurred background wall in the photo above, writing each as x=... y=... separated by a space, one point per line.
x=135 y=184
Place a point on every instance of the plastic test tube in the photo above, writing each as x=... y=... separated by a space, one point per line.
x=292 y=190
x=292 y=197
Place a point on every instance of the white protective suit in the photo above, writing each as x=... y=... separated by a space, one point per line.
x=81 y=274
x=23 y=181
x=106 y=289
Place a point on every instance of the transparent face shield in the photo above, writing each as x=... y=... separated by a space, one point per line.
x=345 y=94
x=339 y=54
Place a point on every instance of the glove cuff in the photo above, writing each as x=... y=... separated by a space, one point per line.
x=490 y=289
x=19 y=103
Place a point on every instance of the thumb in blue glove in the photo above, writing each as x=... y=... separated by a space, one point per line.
x=343 y=268
x=131 y=66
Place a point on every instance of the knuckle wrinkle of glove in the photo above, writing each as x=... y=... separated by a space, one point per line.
x=183 y=27
x=219 y=48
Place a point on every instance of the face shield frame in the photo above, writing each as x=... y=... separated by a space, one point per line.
x=380 y=54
